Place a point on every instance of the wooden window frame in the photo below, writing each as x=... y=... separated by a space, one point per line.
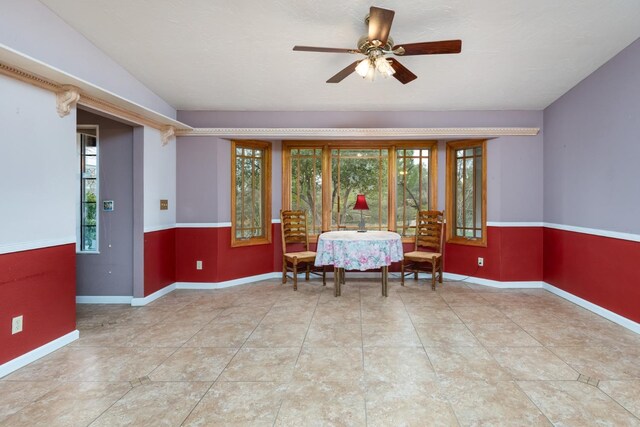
x=266 y=195
x=94 y=131
x=432 y=146
x=452 y=147
x=328 y=145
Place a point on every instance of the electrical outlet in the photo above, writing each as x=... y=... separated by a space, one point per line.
x=198 y=265
x=480 y=262
x=16 y=325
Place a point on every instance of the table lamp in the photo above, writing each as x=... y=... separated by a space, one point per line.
x=361 y=204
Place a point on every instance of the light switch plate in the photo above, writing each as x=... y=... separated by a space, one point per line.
x=164 y=204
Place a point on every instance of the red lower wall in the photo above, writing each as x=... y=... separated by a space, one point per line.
x=40 y=285
x=601 y=270
x=221 y=262
x=159 y=260
x=598 y=269
x=512 y=254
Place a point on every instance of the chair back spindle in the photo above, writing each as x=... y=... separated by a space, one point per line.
x=294 y=228
x=429 y=230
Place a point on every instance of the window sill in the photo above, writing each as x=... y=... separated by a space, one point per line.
x=87 y=252
x=467 y=242
x=250 y=242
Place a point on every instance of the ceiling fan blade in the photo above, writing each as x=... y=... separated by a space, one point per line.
x=380 y=24
x=324 y=49
x=403 y=74
x=342 y=74
x=430 y=48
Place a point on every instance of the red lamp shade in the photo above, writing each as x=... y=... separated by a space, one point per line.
x=361 y=203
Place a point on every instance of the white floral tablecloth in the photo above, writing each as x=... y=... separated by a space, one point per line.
x=358 y=251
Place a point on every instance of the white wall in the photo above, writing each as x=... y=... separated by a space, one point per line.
x=31 y=28
x=159 y=181
x=38 y=169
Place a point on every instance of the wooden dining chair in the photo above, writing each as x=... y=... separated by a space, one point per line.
x=294 y=231
x=429 y=247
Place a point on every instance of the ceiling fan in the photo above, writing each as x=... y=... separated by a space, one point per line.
x=377 y=43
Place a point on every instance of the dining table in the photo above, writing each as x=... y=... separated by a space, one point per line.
x=355 y=250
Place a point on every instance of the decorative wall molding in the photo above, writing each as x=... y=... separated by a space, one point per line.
x=116 y=111
x=26 y=77
x=66 y=99
x=355 y=133
x=168 y=132
x=71 y=91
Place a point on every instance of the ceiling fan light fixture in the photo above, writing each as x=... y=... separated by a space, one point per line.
x=363 y=67
x=384 y=67
x=371 y=73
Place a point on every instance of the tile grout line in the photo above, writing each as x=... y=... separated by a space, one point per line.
x=438 y=377
x=364 y=375
x=275 y=419
x=228 y=363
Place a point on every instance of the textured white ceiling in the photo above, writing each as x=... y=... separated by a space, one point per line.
x=236 y=55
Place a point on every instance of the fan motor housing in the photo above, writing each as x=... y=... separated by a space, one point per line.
x=365 y=46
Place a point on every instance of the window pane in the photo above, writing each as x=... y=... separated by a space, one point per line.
x=359 y=172
x=468 y=193
x=306 y=186
x=88 y=191
x=412 y=192
x=89 y=214
x=478 y=189
x=459 y=193
x=249 y=188
x=89 y=238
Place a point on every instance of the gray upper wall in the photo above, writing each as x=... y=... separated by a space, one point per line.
x=514 y=164
x=111 y=271
x=31 y=28
x=591 y=149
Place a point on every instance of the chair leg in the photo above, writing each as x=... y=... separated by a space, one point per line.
x=402 y=273
x=440 y=269
x=295 y=274
x=306 y=276
x=433 y=274
x=324 y=277
x=415 y=274
x=284 y=271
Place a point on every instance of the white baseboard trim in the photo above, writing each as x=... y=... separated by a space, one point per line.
x=88 y=299
x=601 y=311
x=494 y=283
x=35 y=354
x=137 y=302
x=228 y=283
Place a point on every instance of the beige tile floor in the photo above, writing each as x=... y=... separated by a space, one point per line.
x=263 y=354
